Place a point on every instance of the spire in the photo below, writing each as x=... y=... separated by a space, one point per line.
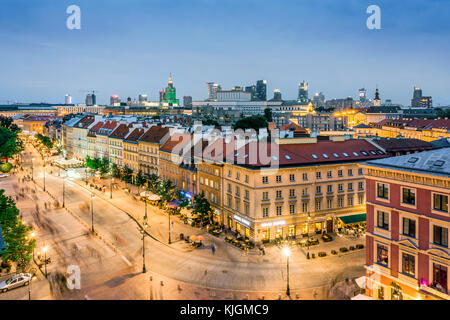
x=170 y=78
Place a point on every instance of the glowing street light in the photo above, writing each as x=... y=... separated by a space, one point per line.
x=287 y=253
x=45 y=249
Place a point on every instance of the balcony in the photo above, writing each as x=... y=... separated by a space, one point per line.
x=429 y=290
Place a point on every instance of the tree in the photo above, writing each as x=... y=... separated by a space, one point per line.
x=127 y=174
x=268 y=114
x=10 y=144
x=140 y=180
x=202 y=207
x=153 y=183
x=18 y=246
x=115 y=171
x=104 y=166
x=253 y=122
x=7 y=122
x=180 y=195
x=168 y=191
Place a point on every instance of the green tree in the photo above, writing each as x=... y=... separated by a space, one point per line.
x=140 y=180
x=18 y=246
x=167 y=191
x=253 y=122
x=183 y=202
x=7 y=122
x=127 y=174
x=115 y=171
x=104 y=166
x=153 y=183
x=268 y=114
x=10 y=144
x=202 y=207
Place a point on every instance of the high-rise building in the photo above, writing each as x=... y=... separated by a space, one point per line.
x=68 y=99
x=261 y=90
x=187 y=101
x=277 y=94
x=114 y=99
x=419 y=101
x=362 y=95
x=252 y=90
x=303 y=92
x=212 y=90
x=169 y=95
x=91 y=99
x=318 y=100
x=142 y=98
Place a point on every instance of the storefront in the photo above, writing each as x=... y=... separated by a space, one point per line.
x=355 y=222
x=243 y=226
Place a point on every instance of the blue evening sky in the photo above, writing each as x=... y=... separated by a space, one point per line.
x=129 y=47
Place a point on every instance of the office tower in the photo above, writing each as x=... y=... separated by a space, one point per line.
x=187 y=101
x=212 y=90
x=277 y=94
x=362 y=95
x=318 y=100
x=377 y=101
x=94 y=98
x=252 y=90
x=261 y=90
x=91 y=99
x=142 y=98
x=114 y=99
x=68 y=99
x=303 y=92
x=419 y=101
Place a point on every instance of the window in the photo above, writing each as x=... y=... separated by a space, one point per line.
x=279 y=210
x=247 y=194
x=238 y=176
x=292 y=193
x=329 y=174
x=350 y=172
x=382 y=190
x=340 y=174
x=292 y=209
x=279 y=195
x=292 y=177
x=408 y=264
x=318 y=205
x=265 y=180
x=440 y=236
x=305 y=207
x=360 y=171
x=350 y=201
x=318 y=189
x=265 y=212
x=265 y=195
x=238 y=191
x=329 y=203
x=246 y=178
x=238 y=205
x=229 y=173
x=439 y=277
x=340 y=202
x=305 y=177
x=247 y=209
x=360 y=199
x=383 y=220
x=408 y=196
x=278 y=179
x=382 y=255
x=409 y=227
x=329 y=188
x=229 y=188
x=305 y=191
x=318 y=175
x=340 y=187
x=440 y=202
x=350 y=187
x=360 y=185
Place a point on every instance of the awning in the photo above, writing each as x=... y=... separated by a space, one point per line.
x=362 y=297
x=361 y=282
x=356 y=218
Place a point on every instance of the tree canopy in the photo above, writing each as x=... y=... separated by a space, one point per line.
x=202 y=207
x=254 y=122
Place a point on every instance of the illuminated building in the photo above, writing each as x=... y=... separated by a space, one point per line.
x=169 y=95
x=303 y=92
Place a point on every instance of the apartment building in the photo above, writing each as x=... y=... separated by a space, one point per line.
x=131 y=149
x=79 y=136
x=115 y=142
x=102 y=140
x=408 y=219
x=148 y=146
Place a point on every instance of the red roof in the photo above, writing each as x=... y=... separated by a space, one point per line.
x=155 y=134
x=135 y=135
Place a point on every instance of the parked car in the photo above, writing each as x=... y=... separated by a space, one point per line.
x=326 y=237
x=4 y=175
x=20 y=280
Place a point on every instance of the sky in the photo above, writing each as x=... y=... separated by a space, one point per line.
x=129 y=47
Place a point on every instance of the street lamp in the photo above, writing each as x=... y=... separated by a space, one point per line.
x=32 y=169
x=85 y=173
x=287 y=253
x=307 y=241
x=145 y=201
x=44 y=174
x=44 y=249
x=168 y=213
x=92 y=211
x=110 y=185
x=64 y=189
x=144 y=226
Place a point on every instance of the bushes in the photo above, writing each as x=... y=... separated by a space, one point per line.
x=6 y=167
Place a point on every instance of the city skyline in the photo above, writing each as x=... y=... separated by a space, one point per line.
x=122 y=48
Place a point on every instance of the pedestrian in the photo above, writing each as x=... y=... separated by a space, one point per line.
x=213 y=249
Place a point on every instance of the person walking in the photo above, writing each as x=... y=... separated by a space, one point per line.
x=213 y=249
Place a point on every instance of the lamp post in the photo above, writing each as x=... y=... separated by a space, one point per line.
x=64 y=189
x=307 y=225
x=110 y=185
x=144 y=226
x=85 y=173
x=44 y=174
x=92 y=211
x=32 y=169
x=287 y=253
x=45 y=259
x=168 y=213
x=145 y=205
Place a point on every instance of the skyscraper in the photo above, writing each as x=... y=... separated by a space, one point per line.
x=91 y=99
x=252 y=90
x=419 y=101
x=362 y=95
x=68 y=99
x=277 y=95
x=169 y=95
x=142 y=98
x=303 y=92
x=114 y=99
x=212 y=90
x=187 y=101
x=261 y=90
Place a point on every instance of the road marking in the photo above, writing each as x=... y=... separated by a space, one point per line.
x=126 y=260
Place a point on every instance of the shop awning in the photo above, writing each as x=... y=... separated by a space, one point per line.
x=361 y=282
x=356 y=218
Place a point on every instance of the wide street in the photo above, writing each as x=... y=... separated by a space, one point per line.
x=111 y=262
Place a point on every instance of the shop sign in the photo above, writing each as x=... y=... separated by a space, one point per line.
x=241 y=220
x=273 y=224
x=217 y=212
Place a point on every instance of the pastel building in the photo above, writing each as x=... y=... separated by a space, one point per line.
x=408 y=218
